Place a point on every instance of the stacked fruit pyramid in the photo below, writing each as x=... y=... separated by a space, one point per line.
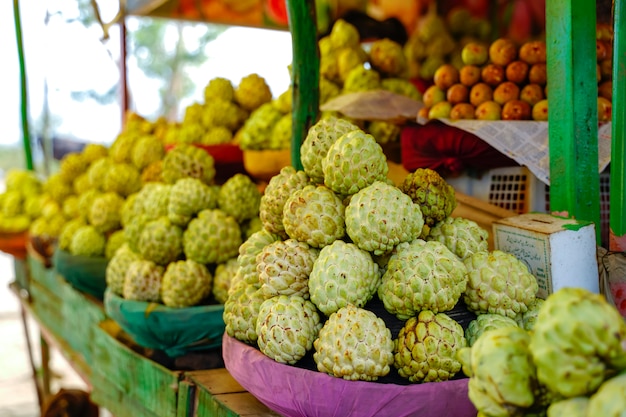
x=338 y=235
x=505 y=81
x=20 y=202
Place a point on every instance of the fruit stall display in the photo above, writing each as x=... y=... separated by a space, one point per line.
x=348 y=292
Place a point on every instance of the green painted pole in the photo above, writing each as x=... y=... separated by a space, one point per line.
x=304 y=72
x=617 y=198
x=573 y=114
x=23 y=91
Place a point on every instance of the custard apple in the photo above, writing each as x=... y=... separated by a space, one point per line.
x=484 y=322
x=133 y=229
x=222 y=113
x=67 y=232
x=248 y=251
x=528 y=319
x=426 y=348
x=223 y=278
x=142 y=281
x=463 y=237
x=361 y=79
x=344 y=34
x=342 y=274
x=71 y=166
x=422 y=276
x=501 y=370
x=185 y=283
x=610 y=399
x=160 y=241
x=189 y=196
x=87 y=241
x=383 y=131
x=250 y=227
x=155 y=199
x=219 y=87
x=499 y=283
x=277 y=191
x=241 y=311
x=354 y=344
x=575 y=407
x=97 y=172
x=239 y=197
x=315 y=215
x=188 y=161
x=69 y=207
x=147 y=149
x=435 y=196
x=93 y=151
x=380 y=216
x=353 y=162
x=114 y=241
x=216 y=135
x=284 y=268
x=104 y=213
x=132 y=207
x=122 y=146
x=286 y=327
x=58 y=188
x=578 y=340
x=118 y=265
x=252 y=92
x=122 y=178
x=318 y=141
x=212 y=237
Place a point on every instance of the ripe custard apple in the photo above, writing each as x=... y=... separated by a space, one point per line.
x=87 y=241
x=250 y=227
x=286 y=327
x=189 y=196
x=152 y=173
x=161 y=241
x=105 y=210
x=575 y=407
x=155 y=199
x=97 y=172
x=185 y=283
x=67 y=232
x=114 y=241
x=122 y=178
x=142 y=281
x=610 y=399
x=241 y=311
x=71 y=166
x=122 y=146
x=344 y=34
x=501 y=370
x=463 y=237
x=380 y=216
x=426 y=348
x=281 y=133
x=315 y=215
x=94 y=151
x=188 y=161
x=57 y=188
x=132 y=230
x=212 y=237
x=499 y=283
x=69 y=207
x=528 y=319
x=223 y=278
x=278 y=190
x=353 y=162
x=248 y=251
x=81 y=183
x=118 y=265
x=484 y=322
x=578 y=340
x=422 y=276
x=147 y=149
x=256 y=132
x=222 y=113
x=354 y=344
x=318 y=141
x=239 y=197
x=252 y=92
x=342 y=274
x=361 y=79
x=219 y=87
x=284 y=268
x=434 y=195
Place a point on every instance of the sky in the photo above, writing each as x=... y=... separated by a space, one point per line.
x=73 y=58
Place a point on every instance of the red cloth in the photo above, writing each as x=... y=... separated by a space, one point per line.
x=448 y=150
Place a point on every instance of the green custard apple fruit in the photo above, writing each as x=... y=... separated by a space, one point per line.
x=462 y=236
x=118 y=265
x=161 y=241
x=185 y=283
x=239 y=197
x=142 y=281
x=87 y=241
x=435 y=196
x=212 y=237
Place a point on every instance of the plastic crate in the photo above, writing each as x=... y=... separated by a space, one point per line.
x=512 y=188
x=517 y=189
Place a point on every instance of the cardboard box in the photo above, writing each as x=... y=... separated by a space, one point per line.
x=559 y=252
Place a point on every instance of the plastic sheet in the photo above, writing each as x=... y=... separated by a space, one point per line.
x=85 y=273
x=296 y=392
x=176 y=331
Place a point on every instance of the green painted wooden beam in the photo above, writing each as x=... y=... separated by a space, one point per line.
x=617 y=199
x=23 y=90
x=573 y=114
x=304 y=72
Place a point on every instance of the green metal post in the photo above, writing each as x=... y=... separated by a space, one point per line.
x=23 y=90
x=304 y=72
x=573 y=113
x=617 y=198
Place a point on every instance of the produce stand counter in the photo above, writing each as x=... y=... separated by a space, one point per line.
x=121 y=376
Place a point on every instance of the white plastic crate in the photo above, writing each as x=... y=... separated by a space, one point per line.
x=519 y=190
